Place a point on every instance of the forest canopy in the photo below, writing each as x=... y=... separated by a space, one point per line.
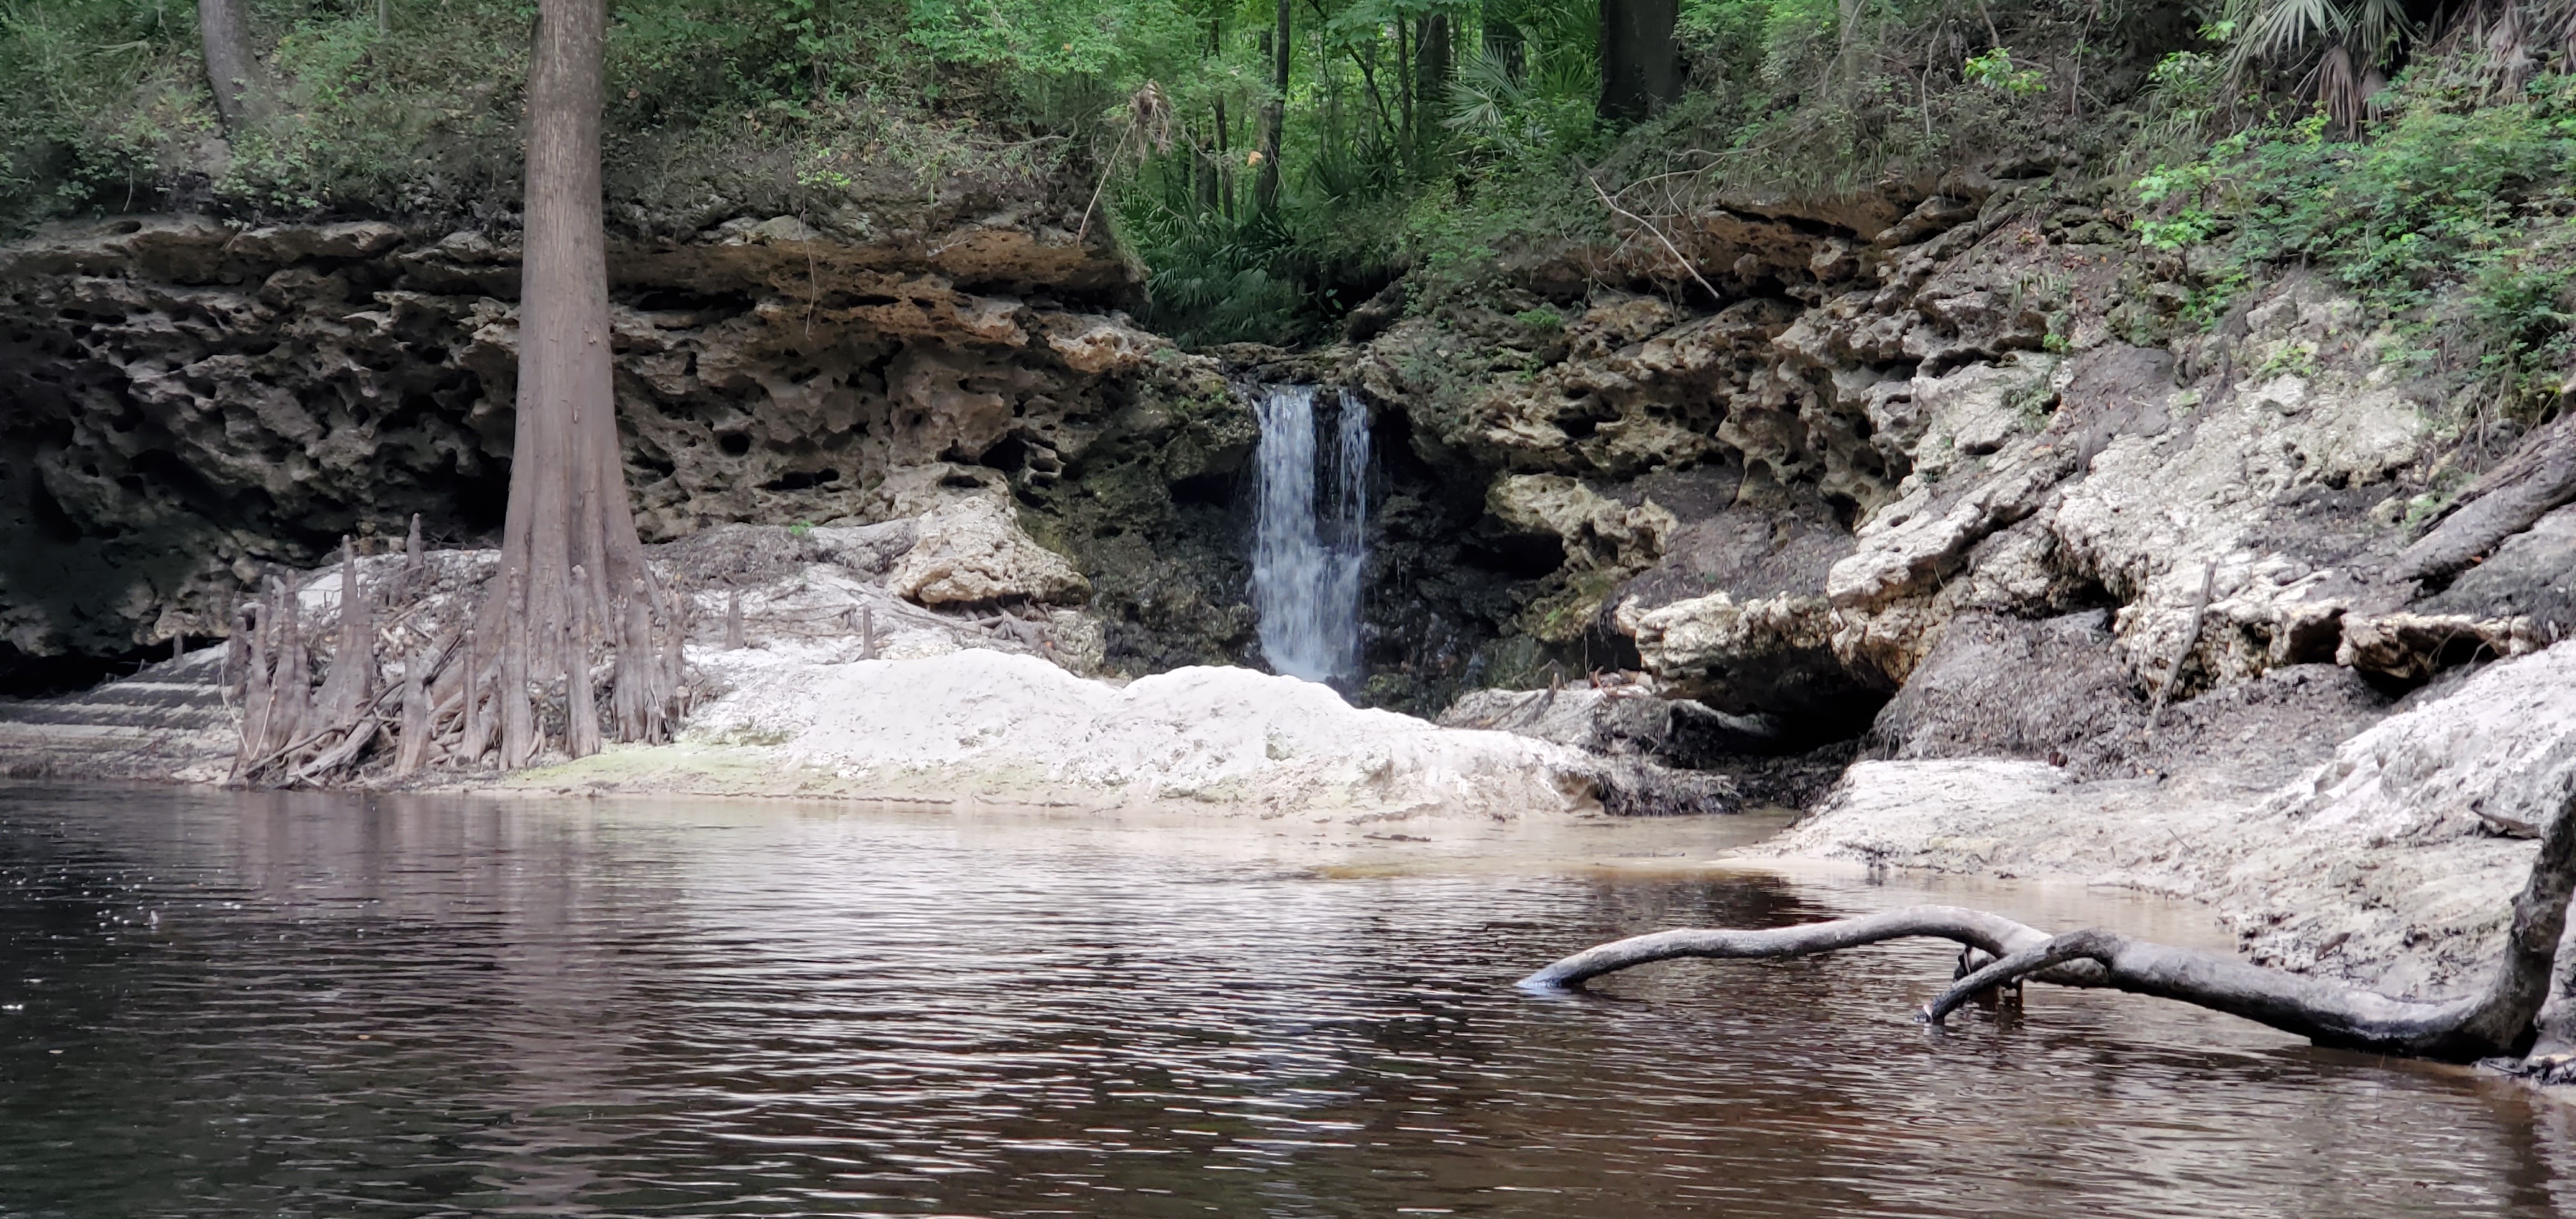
x=1272 y=164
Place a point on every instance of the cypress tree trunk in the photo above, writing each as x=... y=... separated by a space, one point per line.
x=1641 y=68
x=241 y=89
x=568 y=513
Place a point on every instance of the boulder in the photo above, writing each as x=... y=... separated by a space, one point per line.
x=1618 y=721
x=1597 y=531
x=973 y=552
x=1764 y=655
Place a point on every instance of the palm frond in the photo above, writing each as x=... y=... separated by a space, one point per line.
x=1483 y=97
x=2288 y=32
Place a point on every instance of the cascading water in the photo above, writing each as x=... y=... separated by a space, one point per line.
x=1310 y=535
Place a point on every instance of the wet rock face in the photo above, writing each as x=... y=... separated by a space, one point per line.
x=186 y=401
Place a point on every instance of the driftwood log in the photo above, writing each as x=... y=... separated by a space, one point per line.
x=2512 y=497
x=2503 y=1018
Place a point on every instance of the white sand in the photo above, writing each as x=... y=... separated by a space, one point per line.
x=1229 y=736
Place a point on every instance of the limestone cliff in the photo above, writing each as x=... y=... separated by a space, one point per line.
x=189 y=401
x=1939 y=403
x=1966 y=401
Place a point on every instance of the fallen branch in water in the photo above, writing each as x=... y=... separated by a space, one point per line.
x=2501 y=1018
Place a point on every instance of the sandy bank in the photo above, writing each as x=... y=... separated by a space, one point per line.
x=991 y=727
x=2393 y=863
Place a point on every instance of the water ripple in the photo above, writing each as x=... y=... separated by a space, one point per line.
x=272 y=1005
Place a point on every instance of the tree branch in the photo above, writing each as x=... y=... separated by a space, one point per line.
x=1649 y=226
x=1991 y=933
x=2500 y=1018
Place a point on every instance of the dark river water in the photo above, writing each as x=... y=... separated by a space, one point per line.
x=271 y=1005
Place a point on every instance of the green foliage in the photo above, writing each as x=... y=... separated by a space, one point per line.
x=1503 y=117
x=1994 y=70
x=2450 y=218
x=1825 y=97
x=103 y=103
x=2288 y=30
x=1213 y=280
x=1385 y=164
x=2186 y=98
x=88 y=96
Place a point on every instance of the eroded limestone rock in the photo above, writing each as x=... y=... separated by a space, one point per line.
x=2228 y=489
x=972 y=551
x=1618 y=720
x=191 y=403
x=1748 y=657
x=1597 y=531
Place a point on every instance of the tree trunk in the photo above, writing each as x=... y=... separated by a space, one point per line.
x=2501 y=1018
x=412 y=751
x=1434 y=53
x=290 y=691
x=2509 y=498
x=256 y=688
x=1641 y=68
x=1274 y=116
x=568 y=512
x=1406 y=132
x=350 y=687
x=415 y=563
x=476 y=739
x=241 y=88
x=581 y=700
x=518 y=718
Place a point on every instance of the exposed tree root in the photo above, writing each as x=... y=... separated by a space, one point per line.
x=453 y=694
x=2501 y=1019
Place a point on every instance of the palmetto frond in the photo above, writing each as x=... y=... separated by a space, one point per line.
x=2289 y=31
x=1483 y=97
x=2342 y=44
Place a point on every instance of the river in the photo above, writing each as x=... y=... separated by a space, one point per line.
x=224 y=1004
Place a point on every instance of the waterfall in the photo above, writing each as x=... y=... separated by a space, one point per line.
x=1310 y=535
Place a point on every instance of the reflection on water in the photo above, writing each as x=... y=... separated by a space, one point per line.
x=325 y=1006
